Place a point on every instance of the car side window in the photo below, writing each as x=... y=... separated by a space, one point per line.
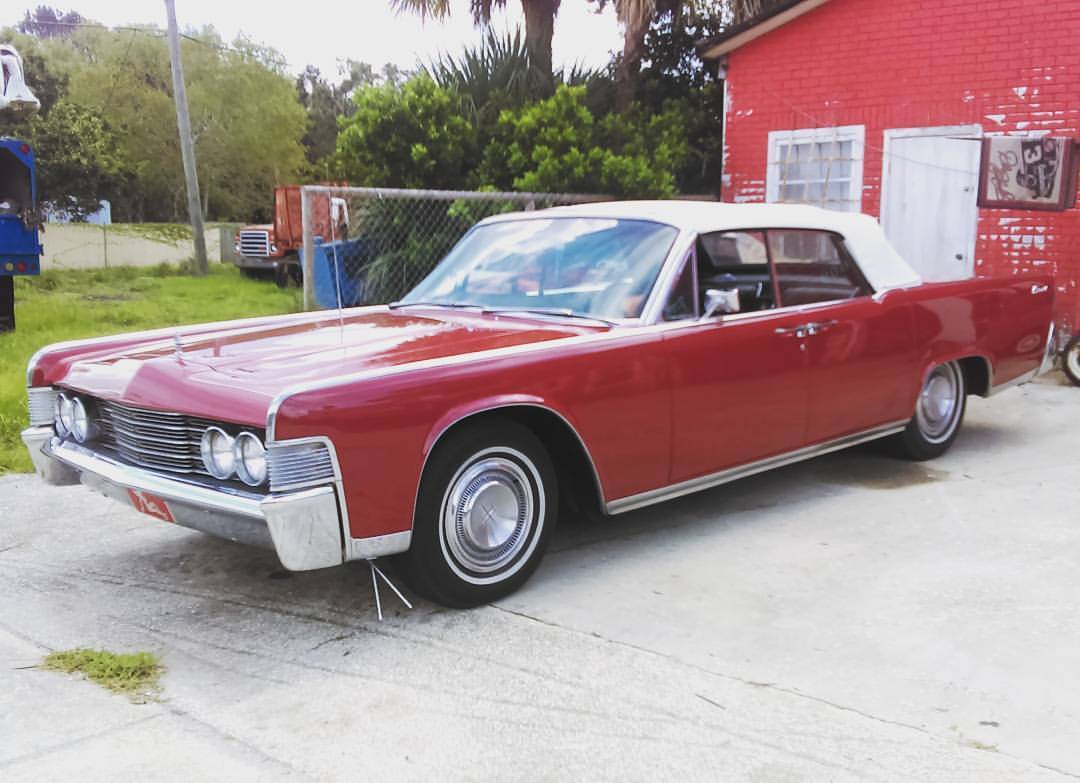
x=736 y=259
x=682 y=300
x=813 y=266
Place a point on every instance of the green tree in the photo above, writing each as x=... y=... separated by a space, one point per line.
x=558 y=145
x=412 y=135
x=246 y=119
x=78 y=161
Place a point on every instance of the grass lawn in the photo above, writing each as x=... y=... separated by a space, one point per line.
x=67 y=305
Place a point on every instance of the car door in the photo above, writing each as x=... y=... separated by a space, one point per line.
x=859 y=349
x=738 y=381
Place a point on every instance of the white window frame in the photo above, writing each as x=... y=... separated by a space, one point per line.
x=856 y=134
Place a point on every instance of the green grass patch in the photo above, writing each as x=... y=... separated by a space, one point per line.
x=136 y=675
x=73 y=304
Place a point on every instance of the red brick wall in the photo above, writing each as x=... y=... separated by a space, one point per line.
x=1009 y=65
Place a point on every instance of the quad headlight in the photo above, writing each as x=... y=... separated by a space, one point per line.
x=225 y=456
x=217 y=453
x=250 y=457
x=65 y=414
x=73 y=418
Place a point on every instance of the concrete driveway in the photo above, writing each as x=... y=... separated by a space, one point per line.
x=854 y=618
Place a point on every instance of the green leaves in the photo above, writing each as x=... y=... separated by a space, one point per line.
x=411 y=136
x=558 y=145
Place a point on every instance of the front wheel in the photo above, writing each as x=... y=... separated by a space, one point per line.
x=487 y=505
x=1070 y=360
x=938 y=414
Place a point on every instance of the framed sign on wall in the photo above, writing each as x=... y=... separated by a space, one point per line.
x=1020 y=172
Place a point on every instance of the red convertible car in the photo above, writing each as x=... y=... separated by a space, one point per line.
x=601 y=357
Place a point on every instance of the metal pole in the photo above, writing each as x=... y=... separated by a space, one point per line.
x=187 y=148
x=308 y=261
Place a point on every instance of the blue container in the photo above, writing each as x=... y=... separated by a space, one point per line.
x=339 y=263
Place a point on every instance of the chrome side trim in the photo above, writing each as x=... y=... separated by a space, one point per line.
x=1017 y=381
x=742 y=471
x=378 y=546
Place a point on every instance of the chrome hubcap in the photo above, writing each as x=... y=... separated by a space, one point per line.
x=489 y=513
x=939 y=403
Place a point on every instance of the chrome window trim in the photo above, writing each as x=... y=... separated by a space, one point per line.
x=672 y=491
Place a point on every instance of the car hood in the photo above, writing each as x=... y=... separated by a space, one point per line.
x=234 y=373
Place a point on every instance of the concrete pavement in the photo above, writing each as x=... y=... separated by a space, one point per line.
x=851 y=618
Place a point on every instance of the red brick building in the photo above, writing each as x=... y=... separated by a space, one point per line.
x=880 y=106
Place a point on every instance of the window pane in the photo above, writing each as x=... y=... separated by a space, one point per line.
x=736 y=259
x=811 y=267
x=816 y=167
x=680 y=304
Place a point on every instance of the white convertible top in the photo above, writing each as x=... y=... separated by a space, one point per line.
x=878 y=260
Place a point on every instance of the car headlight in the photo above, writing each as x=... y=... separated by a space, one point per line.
x=65 y=414
x=273 y=248
x=82 y=426
x=217 y=453
x=250 y=458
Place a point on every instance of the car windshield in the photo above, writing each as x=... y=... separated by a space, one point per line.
x=598 y=268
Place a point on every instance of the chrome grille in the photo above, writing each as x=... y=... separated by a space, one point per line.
x=255 y=243
x=299 y=464
x=152 y=439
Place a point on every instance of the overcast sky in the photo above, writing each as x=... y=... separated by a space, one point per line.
x=324 y=31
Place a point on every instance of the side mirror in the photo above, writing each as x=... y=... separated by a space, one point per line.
x=719 y=302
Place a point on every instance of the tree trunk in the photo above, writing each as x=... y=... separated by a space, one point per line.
x=628 y=72
x=539 y=31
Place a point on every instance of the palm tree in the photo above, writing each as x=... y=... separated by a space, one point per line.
x=635 y=16
x=539 y=21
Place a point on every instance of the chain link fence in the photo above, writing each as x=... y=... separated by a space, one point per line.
x=373 y=245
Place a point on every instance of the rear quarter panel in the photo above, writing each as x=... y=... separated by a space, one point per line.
x=1000 y=320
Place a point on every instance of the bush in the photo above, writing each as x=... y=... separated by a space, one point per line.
x=411 y=136
x=557 y=145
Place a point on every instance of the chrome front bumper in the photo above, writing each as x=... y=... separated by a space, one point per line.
x=304 y=528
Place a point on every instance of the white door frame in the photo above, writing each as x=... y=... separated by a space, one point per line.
x=974 y=132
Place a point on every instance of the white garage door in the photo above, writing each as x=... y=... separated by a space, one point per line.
x=928 y=201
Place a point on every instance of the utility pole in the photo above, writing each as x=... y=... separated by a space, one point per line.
x=187 y=148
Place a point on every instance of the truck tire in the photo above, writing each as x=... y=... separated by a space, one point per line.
x=289 y=270
x=7 y=303
x=1070 y=360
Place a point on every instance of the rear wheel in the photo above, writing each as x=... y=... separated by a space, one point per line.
x=938 y=414
x=1070 y=360
x=487 y=506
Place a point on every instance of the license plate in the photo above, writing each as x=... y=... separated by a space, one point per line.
x=151 y=505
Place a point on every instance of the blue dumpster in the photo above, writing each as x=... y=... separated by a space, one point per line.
x=339 y=263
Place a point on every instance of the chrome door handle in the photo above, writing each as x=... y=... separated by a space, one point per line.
x=1039 y=289
x=793 y=331
x=820 y=326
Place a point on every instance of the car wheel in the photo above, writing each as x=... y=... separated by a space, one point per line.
x=1070 y=360
x=487 y=505
x=938 y=414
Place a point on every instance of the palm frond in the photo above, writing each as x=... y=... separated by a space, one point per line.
x=425 y=9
